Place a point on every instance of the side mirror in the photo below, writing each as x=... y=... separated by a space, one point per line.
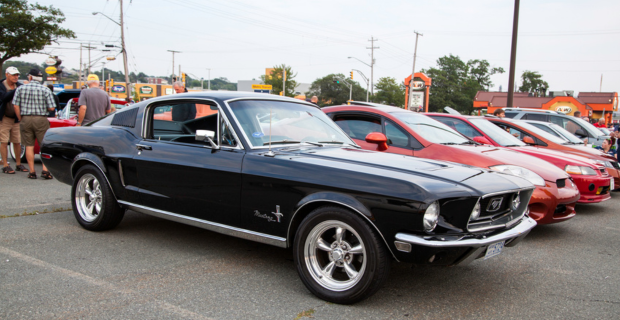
x=206 y=135
x=481 y=139
x=529 y=140
x=580 y=133
x=379 y=138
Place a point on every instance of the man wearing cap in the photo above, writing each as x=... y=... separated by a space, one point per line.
x=32 y=103
x=94 y=103
x=9 y=125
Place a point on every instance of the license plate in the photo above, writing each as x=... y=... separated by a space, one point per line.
x=494 y=250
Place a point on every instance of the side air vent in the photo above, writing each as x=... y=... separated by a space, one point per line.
x=125 y=118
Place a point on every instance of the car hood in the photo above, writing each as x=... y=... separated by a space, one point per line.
x=505 y=156
x=411 y=169
x=568 y=158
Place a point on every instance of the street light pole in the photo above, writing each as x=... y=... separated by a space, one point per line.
x=365 y=79
x=513 y=56
x=415 y=52
x=360 y=73
x=209 y=81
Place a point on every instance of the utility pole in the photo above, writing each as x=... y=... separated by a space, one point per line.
x=173 y=52
x=415 y=53
x=80 y=75
x=283 y=81
x=601 y=88
x=125 y=55
x=372 y=63
x=513 y=56
x=209 y=81
x=88 y=67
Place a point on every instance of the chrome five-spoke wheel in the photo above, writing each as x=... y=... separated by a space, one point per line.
x=335 y=254
x=88 y=197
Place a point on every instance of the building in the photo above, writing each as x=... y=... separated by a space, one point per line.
x=591 y=104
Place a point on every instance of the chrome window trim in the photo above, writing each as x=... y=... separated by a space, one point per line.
x=98 y=167
x=345 y=205
x=220 y=113
x=226 y=103
x=209 y=225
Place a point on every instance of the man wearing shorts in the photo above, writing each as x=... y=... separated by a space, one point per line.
x=9 y=125
x=32 y=103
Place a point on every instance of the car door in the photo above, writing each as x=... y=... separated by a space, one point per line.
x=359 y=125
x=181 y=175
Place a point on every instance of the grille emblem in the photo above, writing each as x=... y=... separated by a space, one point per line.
x=495 y=204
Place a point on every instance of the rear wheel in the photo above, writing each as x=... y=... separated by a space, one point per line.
x=339 y=257
x=94 y=205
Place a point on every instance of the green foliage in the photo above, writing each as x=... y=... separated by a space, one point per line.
x=330 y=93
x=531 y=81
x=275 y=80
x=28 y=28
x=390 y=92
x=455 y=83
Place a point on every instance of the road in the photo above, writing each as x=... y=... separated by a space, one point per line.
x=148 y=268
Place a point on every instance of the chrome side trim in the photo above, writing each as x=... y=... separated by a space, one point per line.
x=208 y=225
x=288 y=231
x=520 y=230
x=98 y=167
x=505 y=191
x=120 y=172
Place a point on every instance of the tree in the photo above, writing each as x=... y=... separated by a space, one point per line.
x=332 y=93
x=390 y=92
x=531 y=81
x=455 y=83
x=275 y=80
x=28 y=28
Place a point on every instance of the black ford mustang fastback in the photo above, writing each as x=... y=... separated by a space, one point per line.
x=279 y=171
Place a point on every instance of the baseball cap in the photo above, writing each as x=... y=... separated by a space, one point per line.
x=35 y=73
x=92 y=77
x=12 y=70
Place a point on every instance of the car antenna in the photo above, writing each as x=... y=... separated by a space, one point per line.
x=270 y=153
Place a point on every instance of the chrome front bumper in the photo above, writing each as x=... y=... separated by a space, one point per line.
x=405 y=241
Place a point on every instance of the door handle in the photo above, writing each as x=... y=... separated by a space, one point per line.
x=143 y=147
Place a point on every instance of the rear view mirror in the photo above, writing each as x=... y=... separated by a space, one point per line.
x=206 y=135
x=529 y=140
x=379 y=138
x=481 y=139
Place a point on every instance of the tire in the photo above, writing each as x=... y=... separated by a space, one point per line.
x=22 y=156
x=94 y=205
x=345 y=271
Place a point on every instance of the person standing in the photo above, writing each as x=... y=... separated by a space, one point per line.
x=9 y=125
x=600 y=123
x=94 y=103
x=315 y=100
x=32 y=102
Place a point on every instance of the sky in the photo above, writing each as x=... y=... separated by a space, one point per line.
x=571 y=43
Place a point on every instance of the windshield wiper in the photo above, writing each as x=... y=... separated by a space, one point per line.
x=332 y=142
x=313 y=143
x=469 y=142
x=515 y=145
x=449 y=143
x=285 y=141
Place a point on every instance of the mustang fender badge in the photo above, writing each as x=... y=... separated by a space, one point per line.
x=278 y=215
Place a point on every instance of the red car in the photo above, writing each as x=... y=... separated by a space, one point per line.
x=395 y=130
x=591 y=178
x=544 y=140
x=64 y=118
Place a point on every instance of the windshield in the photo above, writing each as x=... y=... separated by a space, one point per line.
x=541 y=133
x=569 y=136
x=291 y=123
x=430 y=129
x=592 y=129
x=605 y=131
x=497 y=134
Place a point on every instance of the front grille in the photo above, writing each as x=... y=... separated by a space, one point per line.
x=560 y=209
x=497 y=212
x=561 y=183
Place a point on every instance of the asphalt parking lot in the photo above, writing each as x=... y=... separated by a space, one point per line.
x=148 y=268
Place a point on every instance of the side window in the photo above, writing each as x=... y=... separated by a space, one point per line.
x=461 y=126
x=558 y=120
x=395 y=135
x=536 y=116
x=517 y=133
x=572 y=127
x=358 y=127
x=545 y=128
x=510 y=114
x=178 y=122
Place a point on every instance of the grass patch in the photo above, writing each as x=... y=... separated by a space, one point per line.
x=305 y=314
x=34 y=213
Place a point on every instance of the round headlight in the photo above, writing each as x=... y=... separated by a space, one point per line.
x=431 y=215
x=475 y=214
x=516 y=201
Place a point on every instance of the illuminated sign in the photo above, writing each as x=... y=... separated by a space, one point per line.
x=261 y=87
x=418 y=85
x=564 y=109
x=146 y=90
x=50 y=70
x=118 y=89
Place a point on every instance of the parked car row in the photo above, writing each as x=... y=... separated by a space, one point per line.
x=348 y=188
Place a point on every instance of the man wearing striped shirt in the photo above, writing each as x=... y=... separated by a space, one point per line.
x=32 y=103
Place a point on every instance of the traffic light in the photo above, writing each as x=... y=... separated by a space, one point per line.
x=336 y=81
x=183 y=79
x=351 y=75
x=107 y=85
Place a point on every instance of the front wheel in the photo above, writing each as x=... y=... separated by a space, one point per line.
x=339 y=257
x=94 y=205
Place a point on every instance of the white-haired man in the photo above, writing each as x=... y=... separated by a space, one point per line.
x=9 y=125
x=94 y=103
x=32 y=103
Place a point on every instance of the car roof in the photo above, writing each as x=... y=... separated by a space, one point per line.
x=376 y=106
x=227 y=95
